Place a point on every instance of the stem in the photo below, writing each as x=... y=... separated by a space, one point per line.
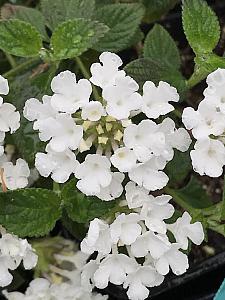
x=178 y=199
x=4 y=187
x=177 y=113
x=22 y=67
x=11 y=60
x=56 y=188
x=87 y=75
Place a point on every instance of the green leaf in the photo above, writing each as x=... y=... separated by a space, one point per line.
x=123 y=21
x=192 y=196
x=156 y=8
x=223 y=203
x=201 y=26
x=144 y=69
x=72 y=38
x=29 y=212
x=178 y=175
x=58 y=11
x=29 y=15
x=81 y=208
x=160 y=46
x=19 y=38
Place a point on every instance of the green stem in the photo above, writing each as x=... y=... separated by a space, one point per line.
x=177 y=113
x=56 y=188
x=178 y=199
x=87 y=75
x=11 y=60
x=22 y=67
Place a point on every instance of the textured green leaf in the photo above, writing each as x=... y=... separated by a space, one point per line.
x=156 y=8
x=159 y=45
x=19 y=38
x=144 y=69
x=178 y=174
x=26 y=14
x=58 y=11
x=72 y=38
x=123 y=21
x=81 y=208
x=29 y=212
x=201 y=26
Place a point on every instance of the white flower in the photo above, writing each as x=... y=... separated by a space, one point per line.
x=155 y=100
x=6 y=263
x=205 y=121
x=87 y=274
x=122 y=98
x=9 y=117
x=208 y=157
x=98 y=238
x=69 y=95
x=174 y=259
x=125 y=229
x=4 y=86
x=149 y=175
x=152 y=243
x=155 y=211
x=183 y=230
x=62 y=132
x=16 y=176
x=39 y=111
x=104 y=73
x=124 y=159
x=135 y=195
x=114 y=268
x=144 y=139
x=138 y=281
x=2 y=137
x=59 y=164
x=94 y=173
x=114 y=189
x=92 y=111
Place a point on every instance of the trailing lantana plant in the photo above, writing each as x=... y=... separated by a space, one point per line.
x=102 y=148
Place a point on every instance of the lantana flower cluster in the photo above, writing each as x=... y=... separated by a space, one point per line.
x=110 y=148
x=207 y=125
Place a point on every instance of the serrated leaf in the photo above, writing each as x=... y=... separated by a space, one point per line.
x=26 y=14
x=81 y=208
x=72 y=38
x=144 y=69
x=201 y=26
x=19 y=38
x=178 y=175
x=58 y=11
x=29 y=212
x=156 y=8
x=159 y=45
x=123 y=21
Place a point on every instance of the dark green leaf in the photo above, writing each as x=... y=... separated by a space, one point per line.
x=81 y=208
x=144 y=69
x=223 y=203
x=72 y=38
x=19 y=38
x=58 y=11
x=201 y=26
x=29 y=212
x=160 y=46
x=123 y=21
x=156 y=8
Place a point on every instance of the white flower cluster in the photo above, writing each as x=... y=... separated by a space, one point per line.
x=13 y=251
x=71 y=289
x=208 y=127
x=144 y=234
x=12 y=176
x=72 y=123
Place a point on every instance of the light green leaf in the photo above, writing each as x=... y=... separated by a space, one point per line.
x=29 y=15
x=19 y=38
x=29 y=212
x=144 y=69
x=81 y=208
x=201 y=26
x=123 y=21
x=72 y=38
x=160 y=46
x=58 y=11
x=156 y=8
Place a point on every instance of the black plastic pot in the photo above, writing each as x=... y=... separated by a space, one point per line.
x=201 y=282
